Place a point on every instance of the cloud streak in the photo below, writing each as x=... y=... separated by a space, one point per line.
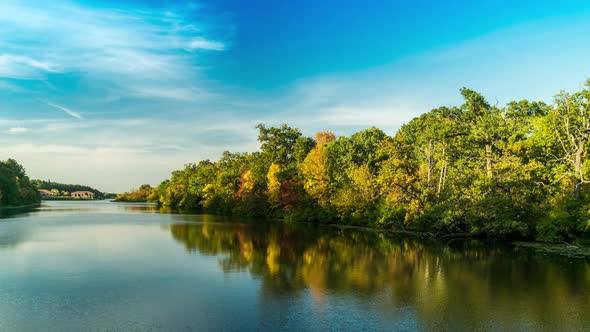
x=23 y=67
x=203 y=44
x=17 y=130
x=65 y=110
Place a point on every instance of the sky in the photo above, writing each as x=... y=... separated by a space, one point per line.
x=115 y=94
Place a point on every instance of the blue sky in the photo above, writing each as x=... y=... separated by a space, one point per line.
x=119 y=93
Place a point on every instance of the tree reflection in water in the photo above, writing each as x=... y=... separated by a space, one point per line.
x=458 y=285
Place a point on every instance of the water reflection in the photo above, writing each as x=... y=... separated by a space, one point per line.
x=119 y=267
x=67 y=207
x=464 y=285
x=140 y=207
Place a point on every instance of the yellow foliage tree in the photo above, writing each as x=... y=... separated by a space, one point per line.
x=273 y=184
x=247 y=183
x=314 y=168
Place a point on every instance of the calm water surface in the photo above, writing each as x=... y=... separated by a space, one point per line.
x=75 y=266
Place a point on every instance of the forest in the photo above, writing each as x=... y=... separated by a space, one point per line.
x=15 y=187
x=519 y=171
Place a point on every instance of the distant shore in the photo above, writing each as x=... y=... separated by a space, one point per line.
x=65 y=198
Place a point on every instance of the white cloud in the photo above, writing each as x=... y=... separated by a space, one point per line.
x=17 y=130
x=23 y=67
x=178 y=93
x=204 y=44
x=66 y=110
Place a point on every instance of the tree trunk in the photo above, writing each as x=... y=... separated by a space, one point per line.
x=445 y=174
x=489 y=160
x=443 y=171
x=429 y=163
x=578 y=164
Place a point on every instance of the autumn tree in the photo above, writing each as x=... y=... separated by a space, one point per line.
x=314 y=168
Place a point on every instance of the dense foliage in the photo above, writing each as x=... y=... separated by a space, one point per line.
x=145 y=193
x=15 y=187
x=62 y=189
x=514 y=171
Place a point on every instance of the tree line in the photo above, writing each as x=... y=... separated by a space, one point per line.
x=63 y=189
x=518 y=171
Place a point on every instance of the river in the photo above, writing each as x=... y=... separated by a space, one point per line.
x=101 y=266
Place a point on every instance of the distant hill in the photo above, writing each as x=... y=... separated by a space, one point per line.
x=66 y=189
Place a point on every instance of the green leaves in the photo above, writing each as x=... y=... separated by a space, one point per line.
x=280 y=143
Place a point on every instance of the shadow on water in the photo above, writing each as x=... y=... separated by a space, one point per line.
x=470 y=284
x=12 y=212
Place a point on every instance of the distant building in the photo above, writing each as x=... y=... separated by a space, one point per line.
x=45 y=193
x=83 y=194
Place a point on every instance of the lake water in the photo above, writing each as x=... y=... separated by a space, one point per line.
x=98 y=266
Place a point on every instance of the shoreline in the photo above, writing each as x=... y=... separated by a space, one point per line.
x=73 y=199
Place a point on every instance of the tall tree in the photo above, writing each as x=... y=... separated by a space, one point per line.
x=570 y=122
x=279 y=143
x=314 y=169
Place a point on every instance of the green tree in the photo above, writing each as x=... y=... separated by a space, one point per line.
x=15 y=187
x=279 y=143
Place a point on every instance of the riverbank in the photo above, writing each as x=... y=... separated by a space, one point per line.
x=69 y=199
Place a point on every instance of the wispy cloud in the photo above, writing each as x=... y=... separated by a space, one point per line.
x=17 y=130
x=66 y=110
x=125 y=49
x=176 y=93
x=204 y=44
x=141 y=65
x=23 y=67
